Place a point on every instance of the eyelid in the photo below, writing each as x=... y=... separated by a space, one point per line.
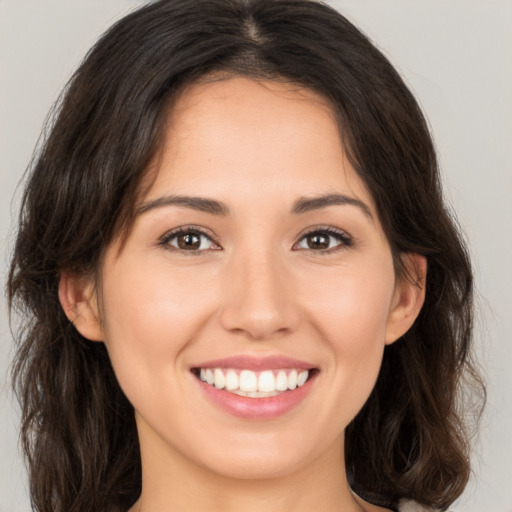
x=188 y=228
x=345 y=238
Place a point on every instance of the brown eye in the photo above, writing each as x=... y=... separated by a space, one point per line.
x=324 y=240
x=189 y=240
x=317 y=241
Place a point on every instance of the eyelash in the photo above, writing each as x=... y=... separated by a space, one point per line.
x=187 y=230
x=343 y=238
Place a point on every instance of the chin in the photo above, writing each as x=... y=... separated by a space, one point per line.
x=264 y=457
x=257 y=466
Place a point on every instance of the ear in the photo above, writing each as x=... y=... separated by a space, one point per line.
x=77 y=296
x=408 y=297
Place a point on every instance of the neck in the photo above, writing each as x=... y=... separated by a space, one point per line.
x=174 y=482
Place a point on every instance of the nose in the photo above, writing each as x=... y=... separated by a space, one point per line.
x=259 y=298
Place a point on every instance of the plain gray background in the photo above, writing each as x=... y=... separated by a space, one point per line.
x=457 y=57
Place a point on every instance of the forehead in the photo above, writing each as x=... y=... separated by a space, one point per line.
x=237 y=134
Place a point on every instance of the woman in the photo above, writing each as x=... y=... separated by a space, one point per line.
x=241 y=285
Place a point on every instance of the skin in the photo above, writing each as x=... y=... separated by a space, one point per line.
x=255 y=287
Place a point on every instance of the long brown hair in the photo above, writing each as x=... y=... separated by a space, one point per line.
x=410 y=440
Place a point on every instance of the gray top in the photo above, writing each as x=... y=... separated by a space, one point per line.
x=412 y=506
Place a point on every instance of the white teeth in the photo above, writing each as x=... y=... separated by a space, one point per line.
x=253 y=384
x=256 y=394
x=266 y=381
x=231 y=380
x=281 y=381
x=220 y=380
x=302 y=378
x=248 y=381
x=292 y=379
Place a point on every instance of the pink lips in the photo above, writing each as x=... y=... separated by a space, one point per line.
x=256 y=363
x=257 y=408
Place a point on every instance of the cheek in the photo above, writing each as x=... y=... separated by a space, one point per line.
x=150 y=315
x=350 y=310
x=351 y=304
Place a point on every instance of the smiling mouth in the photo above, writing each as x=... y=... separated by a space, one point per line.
x=255 y=384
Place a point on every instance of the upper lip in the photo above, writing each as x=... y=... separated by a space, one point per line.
x=249 y=362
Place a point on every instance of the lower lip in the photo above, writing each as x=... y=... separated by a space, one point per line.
x=266 y=408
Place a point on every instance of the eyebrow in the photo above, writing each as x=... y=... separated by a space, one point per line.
x=306 y=204
x=301 y=205
x=201 y=204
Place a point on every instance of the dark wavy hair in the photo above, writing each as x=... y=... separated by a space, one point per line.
x=411 y=439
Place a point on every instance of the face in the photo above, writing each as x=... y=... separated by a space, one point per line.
x=256 y=259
